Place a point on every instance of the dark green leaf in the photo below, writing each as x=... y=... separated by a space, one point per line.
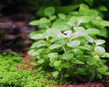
x=101 y=70
x=102 y=8
x=49 y=11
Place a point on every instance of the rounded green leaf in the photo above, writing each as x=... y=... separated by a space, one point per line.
x=67 y=56
x=81 y=70
x=102 y=8
x=52 y=17
x=39 y=44
x=81 y=33
x=60 y=27
x=62 y=16
x=71 y=23
x=100 y=50
x=107 y=55
x=34 y=63
x=37 y=36
x=49 y=11
x=57 y=63
x=101 y=70
x=104 y=23
x=31 y=51
x=60 y=41
x=66 y=65
x=68 y=32
x=35 y=22
x=37 y=52
x=40 y=61
x=99 y=41
x=73 y=19
x=83 y=11
x=44 y=20
x=55 y=73
x=99 y=76
x=79 y=29
x=53 y=32
x=74 y=43
x=53 y=55
x=89 y=39
x=91 y=62
x=83 y=19
x=66 y=75
x=53 y=59
x=53 y=46
x=92 y=31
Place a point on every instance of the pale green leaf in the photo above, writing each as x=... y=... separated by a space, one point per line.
x=57 y=63
x=55 y=73
x=62 y=16
x=31 y=51
x=99 y=50
x=71 y=23
x=53 y=55
x=37 y=52
x=61 y=27
x=40 y=61
x=99 y=41
x=104 y=23
x=53 y=46
x=67 y=56
x=107 y=55
x=74 y=43
x=37 y=36
x=79 y=29
x=52 y=17
x=68 y=32
x=89 y=39
x=81 y=33
x=35 y=22
x=39 y=44
x=73 y=19
x=92 y=31
x=53 y=32
x=83 y=19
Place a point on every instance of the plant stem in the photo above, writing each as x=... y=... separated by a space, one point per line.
x=64 y=49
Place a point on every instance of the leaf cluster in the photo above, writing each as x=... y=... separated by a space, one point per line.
x=67 y=45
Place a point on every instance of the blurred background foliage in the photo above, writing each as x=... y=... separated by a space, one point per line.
x=32 y=6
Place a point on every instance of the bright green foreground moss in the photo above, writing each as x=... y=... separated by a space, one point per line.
x=12 y=77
